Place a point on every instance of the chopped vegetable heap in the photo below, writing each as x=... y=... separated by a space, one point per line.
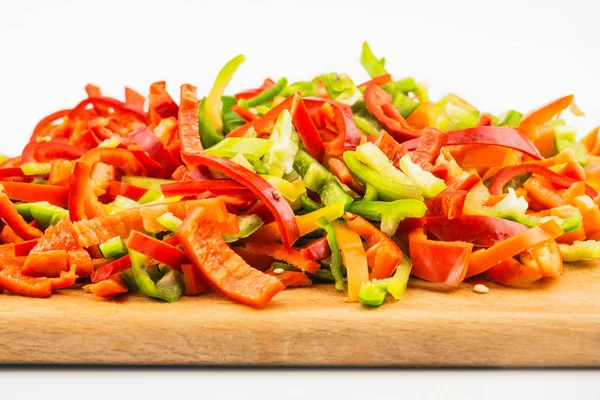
x=325 y=181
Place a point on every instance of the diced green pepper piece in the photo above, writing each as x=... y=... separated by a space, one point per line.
x=366 y=126
x=35 y=168
x=146 y=182
x=169 y=221
x=374 y=66
x=579 y=250
x=386 y=189
x=309 y=204
x=373 y=293
x=251 y=148
x=336 y=257
x=43 y=212
x=404 y=104
x=231 y=120
x=341 y=88
x=405 y=85
x=306 y=89
x=113 y=248
x=578 y=148
x=374 y=158
x=169 y=287
x=332 y=193
x=239 y=159
x=370 y=193
x=510 y=118
x=398 y=282
x=124 y=203
x=248 y=225
x=149 y=197
x=389 y=213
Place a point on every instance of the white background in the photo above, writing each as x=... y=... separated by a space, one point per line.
x=497 y=55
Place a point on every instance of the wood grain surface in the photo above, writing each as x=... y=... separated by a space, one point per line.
x=556 y=323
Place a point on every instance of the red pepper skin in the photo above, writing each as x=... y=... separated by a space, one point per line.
x=9 y=214
x=248 y=115
x=120 y=158
x=378 y=80
x=161 y=102
x=463 y=184
x=134 y=99
x=250 y=93
x=491 y=135
x=428 y=149
x=56 y=149
x=117 y=105
x=313 y=143
x=116 y=188
x=31 y=193
x=281 y=210
x=24 y=248
x=291 y=278
x=11 y=172
x=316 y=250
x=78 y=190
x=217 y=187
x=47 y=121
x=189 y=133
x=193 y=281
x=287 y=254
x=116 y=267
x=481 y=231
x=498 y=181
x=157 y=250
x=448 y=204
x=148 y=141
x=379 y=103
x=13 y=280
x=392 y=149
x=222 y=268
x=344 y=120
x=443 y=262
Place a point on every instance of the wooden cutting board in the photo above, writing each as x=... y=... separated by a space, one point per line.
x=556 y=323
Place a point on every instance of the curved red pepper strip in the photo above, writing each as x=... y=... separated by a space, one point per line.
x=499 y=180
x=48 y=151
x=281 y=210
x=379 y=103
x=313 y=143
x=116 y=188
x=119 y=158
x=11 y=172
x=117 y=105
x=46 y=121
x=157 y=250
x=9 y=214
x=189 y=134
x=344 y=120
x=161 y=102
x=31 y=193
x=116 y=267
x=218 y=187
x=148 y=141
x=481 y=231
x=78 y=190
x=448 y=204
x=316 y=250
x=378 y=80
x=250 y=93
x=428 y=149
x=24 y=248
x=248 y=115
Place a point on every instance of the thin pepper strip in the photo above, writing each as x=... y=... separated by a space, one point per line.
x=280 y=252
x=149 y=142
x=189 y=134
x=78 y=189
x=217 y=186
x=344 y=120
x=13 y=219
x=281 y=210
x=44 y=122
x=379 y=103
x=33 y=193
x=107 y=101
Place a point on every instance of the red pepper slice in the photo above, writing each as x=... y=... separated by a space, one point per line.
x=117 y=105
x=444 y=262
x=56 y=149
x=447 y=204
x=288 y=254
x=116 y=267
x=193 y=281
x=281 y=210
x=316 y=250
x=428 y=149
x=392 y=149
x=313 y=143
x=344 y=120
x=250 y=93
x=119 y=158
x=60 y=172
x=47 y=264
x=481 y=231
x=11 y=172
x=134 y=99
x=31 y=193
x=109 y=287
x=157 y=250
x=379 y=103
x=189 y=134
x=116 y=188
x=218 y=187
x=224 y=270
x=9 y=214
x=463 y=184
x=499 y=180
x=378 y=80
x=148 y=141
x=13 y=280
x=290 y=278
x=161 y=102
x=248 y=115
x=24 y=248
x=44 y=122
x=78 y=190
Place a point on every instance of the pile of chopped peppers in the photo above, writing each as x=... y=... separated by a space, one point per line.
x=358 y=186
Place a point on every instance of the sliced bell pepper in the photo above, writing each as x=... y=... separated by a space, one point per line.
x=169 y=287
x=443 y=262
x=531 y=123
x=13 y=280
x=119 y=158
x=247 y=115
x=341 y=88
x=353 y=257
x=548 y=257
x=266 y=95
x=48 y=151
x=481 y=231
x=370 y=193
x=78 y=191
x=193 y=281
x=189 y=133
x=429 y=184
x=390 y=147
x=374 y=158
x=579 y=250
x=307 y=131
x=389 y=213
x=511 y=272
x=284 y=215
x=111 y=269
x=116 y=188
x=160 y=102
x=279 y=160
x=379 y=103
x=288 y=254
x=386 y=190
x=224 y=270
x=447 y=204
x=31 y=193
x=247 y=94
x=344 y=121
x=336 y=258
x=218 y=187
x=107 y=102
x=541 y=192
x=342 y=173
x=149 y=142
x=157 y=250
x=24 y=248
x=372 y=65
x=44 y=122
x=290 y=278
x=251 y=148
x=377 y=80
x=482 y=260
x=9 y=214
x=109 y=287
x=383 y=255
x=590 y=214
x=60 y=172
x=309 y=204
x=316 y=250
x=113 y=248
x=247 y=225
x=428 y=149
